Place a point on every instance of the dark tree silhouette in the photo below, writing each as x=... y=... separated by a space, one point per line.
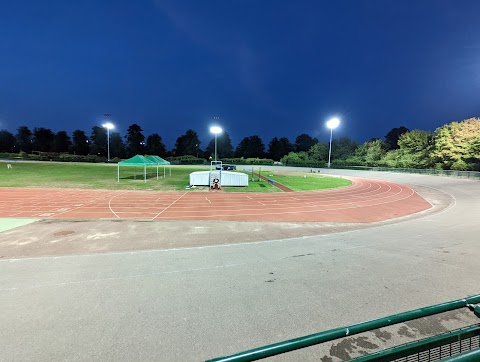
x=117 y=147
x=187 y=144
x=62 y=142
x=43 y=139
x=7 y=141
x=224 y=146
x=80 y=144
x=251 y=147
x=135 y=140
x=303 y=142
x=392 y=137
x=98 y=141
x=155 y=145
x=278 y=148
x=343 y=147
x=24 y=139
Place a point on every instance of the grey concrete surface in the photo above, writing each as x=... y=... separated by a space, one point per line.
x=196 y=303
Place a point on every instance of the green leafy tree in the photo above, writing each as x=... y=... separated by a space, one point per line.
x=397 y=158
x=416 y=149
x=187 y=144
x=296 y=158
x=224 y=146
x=80 y=143
x=303 y=142
x=457 y=145
x=62 y=142
x=7 y=141
x=318 y=152
x=371 y=153
x=135 y=140
x=155 y=145
x=43 y=139
x=24 y=139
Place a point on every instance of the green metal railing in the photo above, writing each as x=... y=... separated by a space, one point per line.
x=387 y=355
x=433 y=348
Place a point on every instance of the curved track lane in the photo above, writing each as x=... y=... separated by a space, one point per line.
x=363 y=202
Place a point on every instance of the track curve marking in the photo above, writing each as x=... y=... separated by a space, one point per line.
x=362 y=202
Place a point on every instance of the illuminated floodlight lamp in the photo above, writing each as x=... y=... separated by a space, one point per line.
x=332 y=123
x=216 y=130
x=108 y=126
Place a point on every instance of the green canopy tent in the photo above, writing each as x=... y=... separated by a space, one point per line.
x=160 y=162
x=137 y=160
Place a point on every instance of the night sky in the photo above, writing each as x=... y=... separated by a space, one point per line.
x=272 y=68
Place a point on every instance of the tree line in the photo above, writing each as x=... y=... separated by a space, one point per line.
x=134 y=142
x=453 y=146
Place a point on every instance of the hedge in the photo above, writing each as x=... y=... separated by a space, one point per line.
x=186 y=160
x=248 y=161
x=60 y=157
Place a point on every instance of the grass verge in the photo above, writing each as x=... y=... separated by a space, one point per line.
x=304 y=181
x=104 y=176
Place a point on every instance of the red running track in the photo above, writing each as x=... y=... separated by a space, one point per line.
x=365 y=201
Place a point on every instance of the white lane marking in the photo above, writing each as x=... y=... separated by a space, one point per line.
x=75 y=208
x=110 y=205
x=297 y=210
x=165 y=209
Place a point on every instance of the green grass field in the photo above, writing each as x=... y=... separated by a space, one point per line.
x=103 y=176
x=305 y=181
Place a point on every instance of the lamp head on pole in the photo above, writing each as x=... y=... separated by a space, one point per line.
x=108 y=126
x=333 y=123
x=215 y=130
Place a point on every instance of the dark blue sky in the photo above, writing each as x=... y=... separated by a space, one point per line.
x=273 y=68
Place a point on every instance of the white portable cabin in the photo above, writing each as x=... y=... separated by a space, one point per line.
x=226 y=178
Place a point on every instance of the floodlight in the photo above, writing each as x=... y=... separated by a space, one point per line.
x=333 y=123
x=215 y=130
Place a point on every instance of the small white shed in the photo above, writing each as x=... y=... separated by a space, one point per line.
x=202 y=178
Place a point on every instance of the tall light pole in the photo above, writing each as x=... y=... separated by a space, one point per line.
x=332 y=123
x=108 y=126
x=215 y=130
